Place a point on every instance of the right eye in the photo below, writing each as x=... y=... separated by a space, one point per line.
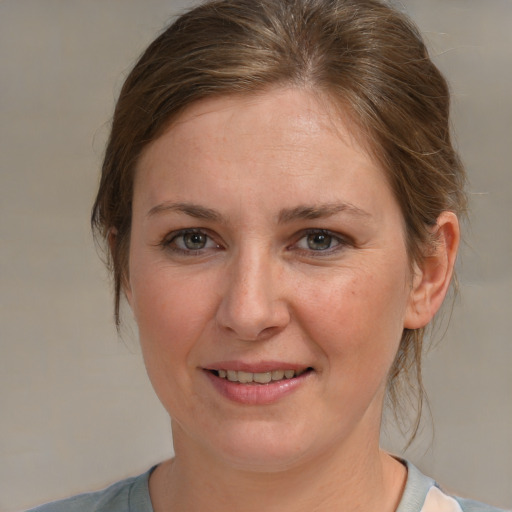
x=190 y=241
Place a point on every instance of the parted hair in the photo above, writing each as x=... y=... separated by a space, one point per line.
x=367 y=58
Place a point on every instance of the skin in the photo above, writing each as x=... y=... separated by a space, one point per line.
x=247 y=174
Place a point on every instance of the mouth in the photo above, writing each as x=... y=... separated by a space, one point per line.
x=266 y=384
x=267 y=377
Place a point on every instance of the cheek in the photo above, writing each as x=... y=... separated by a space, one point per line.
x=168 y=307
x=171 y=312
x=171 y=308
x=357 y=316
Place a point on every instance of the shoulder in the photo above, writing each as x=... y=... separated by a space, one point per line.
x=127 y=495
x=437 y=501
x=475 y=506
x=422 y=494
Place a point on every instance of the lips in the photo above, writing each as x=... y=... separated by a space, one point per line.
x=260 y=384
x=245 y=377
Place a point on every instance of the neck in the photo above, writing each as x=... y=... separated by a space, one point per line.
x=343 y=479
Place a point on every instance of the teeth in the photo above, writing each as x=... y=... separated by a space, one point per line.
x=277 y=374
x=260 y=378
x=245 y=377
x=289 y=374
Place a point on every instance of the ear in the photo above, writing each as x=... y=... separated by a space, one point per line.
x=433 y=275
x=113 y=244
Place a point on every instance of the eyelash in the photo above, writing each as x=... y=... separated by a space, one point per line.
x=169 y=242
x=340 y=242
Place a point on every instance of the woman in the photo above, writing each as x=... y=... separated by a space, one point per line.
x=280 y=199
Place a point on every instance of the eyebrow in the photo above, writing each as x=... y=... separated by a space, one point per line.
x=320 y=211
x=307 y=212
x=190 y=209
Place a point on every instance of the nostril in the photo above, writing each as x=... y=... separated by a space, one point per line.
x=251 y=308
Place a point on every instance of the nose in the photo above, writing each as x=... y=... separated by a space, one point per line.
x=252 y=306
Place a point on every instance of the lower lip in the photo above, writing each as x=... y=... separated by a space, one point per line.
x=256 y=394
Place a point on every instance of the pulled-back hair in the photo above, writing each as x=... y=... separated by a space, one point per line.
x=367 y=58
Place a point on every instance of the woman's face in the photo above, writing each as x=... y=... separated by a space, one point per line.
x=267 y=246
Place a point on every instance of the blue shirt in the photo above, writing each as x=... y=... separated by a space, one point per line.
x=421 y=494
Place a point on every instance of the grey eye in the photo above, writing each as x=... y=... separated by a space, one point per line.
x=190 y=242
x=194 y=241
x=319 y=241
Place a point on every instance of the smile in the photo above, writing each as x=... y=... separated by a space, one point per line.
x=266 y=384
x=260 y=377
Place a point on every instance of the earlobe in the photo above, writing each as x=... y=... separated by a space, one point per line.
x=433 y=275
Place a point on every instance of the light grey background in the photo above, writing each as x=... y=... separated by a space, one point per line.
x=76 y=410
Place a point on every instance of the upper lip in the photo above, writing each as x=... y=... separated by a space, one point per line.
x=259 y=367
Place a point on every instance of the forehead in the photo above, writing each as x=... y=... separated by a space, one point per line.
x=285 y=138
x=283 y=114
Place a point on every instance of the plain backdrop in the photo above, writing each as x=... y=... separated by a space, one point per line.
x=76 y=409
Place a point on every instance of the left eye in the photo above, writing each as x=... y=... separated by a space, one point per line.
x=318 y=241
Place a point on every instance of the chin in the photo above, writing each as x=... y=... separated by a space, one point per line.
x=264 y=458
x=263 y=446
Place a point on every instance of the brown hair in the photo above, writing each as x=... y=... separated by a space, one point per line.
x=366 y=57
